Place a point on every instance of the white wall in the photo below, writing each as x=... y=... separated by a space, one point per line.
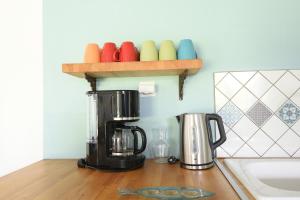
x=21 y=84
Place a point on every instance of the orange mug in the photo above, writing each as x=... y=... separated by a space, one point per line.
x=92 y=53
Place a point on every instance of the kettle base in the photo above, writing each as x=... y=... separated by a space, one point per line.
x=195 y=166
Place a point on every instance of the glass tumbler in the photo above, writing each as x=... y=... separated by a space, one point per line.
x=160 y=146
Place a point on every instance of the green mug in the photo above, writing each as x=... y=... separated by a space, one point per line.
x=148 y=51
x=167 y=50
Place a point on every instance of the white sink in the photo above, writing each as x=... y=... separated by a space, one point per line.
x=268 y=179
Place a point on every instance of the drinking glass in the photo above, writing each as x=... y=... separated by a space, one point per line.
x=160 y=147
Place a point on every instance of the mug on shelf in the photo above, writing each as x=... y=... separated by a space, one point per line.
x=186 y=50
x=167 y=50
x=148 y=51
x=108 y=51
x=91 y=53
x=126 y=53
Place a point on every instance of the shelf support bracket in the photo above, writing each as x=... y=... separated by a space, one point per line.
x=182 y=77
x=91 y=80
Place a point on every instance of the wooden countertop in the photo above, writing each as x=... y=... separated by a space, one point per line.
x=61 y=179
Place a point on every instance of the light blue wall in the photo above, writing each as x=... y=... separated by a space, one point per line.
x=229 y=35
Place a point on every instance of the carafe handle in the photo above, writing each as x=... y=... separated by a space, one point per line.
x=134 y=130
x=219 y=121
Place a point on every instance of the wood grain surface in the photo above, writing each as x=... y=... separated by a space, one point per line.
x=61 y=179
x=132 y=69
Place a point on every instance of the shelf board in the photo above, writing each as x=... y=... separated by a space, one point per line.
x=133 y=69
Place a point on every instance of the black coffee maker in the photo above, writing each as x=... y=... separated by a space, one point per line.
x=111 y=144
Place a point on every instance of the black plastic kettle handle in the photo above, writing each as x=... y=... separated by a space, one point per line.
x=134 y=130
x=219 y=121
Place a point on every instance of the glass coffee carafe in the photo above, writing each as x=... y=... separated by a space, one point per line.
x=125 y=141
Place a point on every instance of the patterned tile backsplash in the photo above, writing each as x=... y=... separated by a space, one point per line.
x=261 y=113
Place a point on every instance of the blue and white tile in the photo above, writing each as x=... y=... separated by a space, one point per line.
x=250 y=100
x=246 y=152
x=219 y=76
x=288 y=84
x=243 y=77
x=258 y=85
x=296 y=73
x=259 y=114
x=260 y=142
x=220 y=100
x=221 y=153
x=296 y=127
x=290 y=142
x=275 y=128
x=273 y=75
x=289 y=113
x=226 y=128
x=245 y=128
x=273 y=98
x=244 y=99
x=275 y=151
x=297 y=154
x=230 y=114
x=296 y=97
x=233 y=143
x=229 y=85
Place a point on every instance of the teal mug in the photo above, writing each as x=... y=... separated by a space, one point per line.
x=186 y=50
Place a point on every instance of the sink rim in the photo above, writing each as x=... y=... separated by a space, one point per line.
x=240 y=168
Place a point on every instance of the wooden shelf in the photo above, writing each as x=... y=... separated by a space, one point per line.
x=128 y=69
x=91 y=71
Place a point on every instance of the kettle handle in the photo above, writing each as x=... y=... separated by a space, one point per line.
x=134 y=130
x=219 y=121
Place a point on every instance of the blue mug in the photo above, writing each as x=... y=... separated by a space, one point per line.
x=186 y=50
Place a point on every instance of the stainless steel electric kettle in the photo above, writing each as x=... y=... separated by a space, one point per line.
x=196 y=139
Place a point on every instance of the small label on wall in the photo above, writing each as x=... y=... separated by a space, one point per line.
x=147 y=88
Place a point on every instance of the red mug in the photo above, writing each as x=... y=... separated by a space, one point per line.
x=108 y=51
x=126 y=53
